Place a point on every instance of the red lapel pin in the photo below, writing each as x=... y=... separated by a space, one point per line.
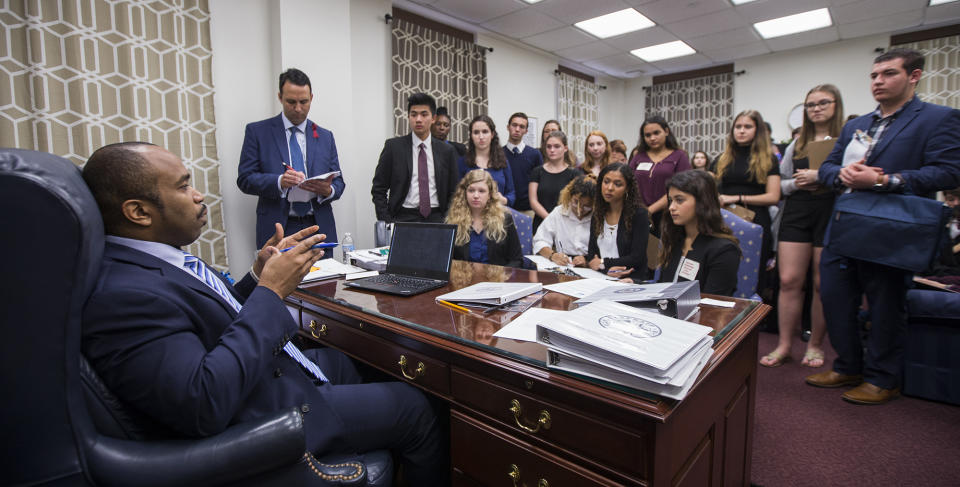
x=315 y=135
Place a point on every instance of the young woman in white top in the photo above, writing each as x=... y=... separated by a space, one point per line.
x=564 y=235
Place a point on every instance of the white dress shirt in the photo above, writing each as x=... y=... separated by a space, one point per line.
x=522 y=145
x=413 y=195
x=563 y=232
x=162 y=251
x=302 y=142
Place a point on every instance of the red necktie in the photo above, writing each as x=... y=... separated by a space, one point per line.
x=423 y=179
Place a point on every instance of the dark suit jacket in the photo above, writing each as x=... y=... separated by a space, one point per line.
x=719 y=260
x=457 y=146
x=264 y=152
x=921 y=145
x=632 y=245
x=172 y=348
x=391 y=180
x=505 y=253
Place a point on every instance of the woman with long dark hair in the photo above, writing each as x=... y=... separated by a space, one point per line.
x=620 y=228
x=484 y=152
x=695 y=244
x=803 y=223
x=656 y=158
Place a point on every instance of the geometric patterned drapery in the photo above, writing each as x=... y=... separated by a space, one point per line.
x=76 y=75
x=940 y=82
x=577 y=110
x=451 y=70
x=699 y=111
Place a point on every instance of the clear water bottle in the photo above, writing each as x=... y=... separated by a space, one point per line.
x=346 y=245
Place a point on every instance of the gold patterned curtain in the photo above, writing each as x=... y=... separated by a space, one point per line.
x=451 y=70
x=577 y=110
x=940 y=82
x=78 y=74
x=699 y=111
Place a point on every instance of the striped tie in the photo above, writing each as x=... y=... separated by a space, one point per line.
x=195 y=265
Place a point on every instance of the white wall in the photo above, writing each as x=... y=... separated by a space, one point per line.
x=774 y=83
x=518 y=80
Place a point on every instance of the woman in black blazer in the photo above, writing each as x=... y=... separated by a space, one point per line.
x=695 y=243
x=620 y=228
x=485 y=229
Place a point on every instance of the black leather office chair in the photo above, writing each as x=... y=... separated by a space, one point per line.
x=60 y=425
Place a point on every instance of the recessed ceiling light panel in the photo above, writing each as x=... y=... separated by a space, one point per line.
x=938 y=2
x=663 y=51
x=792 y=24
x=531 y=2
x=616 y=23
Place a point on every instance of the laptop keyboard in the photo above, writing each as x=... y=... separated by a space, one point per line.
x=400 y=281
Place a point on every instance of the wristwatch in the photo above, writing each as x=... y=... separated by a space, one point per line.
x=879 y=185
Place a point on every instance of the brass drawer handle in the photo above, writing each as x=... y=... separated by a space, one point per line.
x=314 y=330
x=514 y=475
x=418 y=372
x=543 y=420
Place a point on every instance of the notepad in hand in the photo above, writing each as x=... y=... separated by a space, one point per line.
x=492 y=293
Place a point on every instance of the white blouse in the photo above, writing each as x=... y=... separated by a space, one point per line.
x=563 y=232
x=607 y=241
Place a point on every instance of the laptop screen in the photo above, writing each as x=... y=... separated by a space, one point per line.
x=422 y=250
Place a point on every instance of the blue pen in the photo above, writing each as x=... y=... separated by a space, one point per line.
x=321 y=245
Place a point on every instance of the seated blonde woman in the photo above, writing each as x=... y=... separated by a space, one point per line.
x=485 y=229
x=564 y=236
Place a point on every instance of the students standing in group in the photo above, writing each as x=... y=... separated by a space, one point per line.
x=620 y=228
x=656 y=158
x=483 y=152
x=521 y=159
x=748 y=174
x=547 y=180
x=806 y=212
x=564 y=236
x=485 y=229
x=441 y=130
x=596 y=153
x=695 y=243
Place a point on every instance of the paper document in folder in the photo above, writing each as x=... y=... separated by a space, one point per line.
x=818 y=151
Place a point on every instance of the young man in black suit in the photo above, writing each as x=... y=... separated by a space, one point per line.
x=416 y=174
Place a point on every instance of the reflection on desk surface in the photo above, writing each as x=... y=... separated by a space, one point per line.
x=473 y=327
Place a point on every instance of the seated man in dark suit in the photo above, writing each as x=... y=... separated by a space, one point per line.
x=416 y=174
x=178 y=343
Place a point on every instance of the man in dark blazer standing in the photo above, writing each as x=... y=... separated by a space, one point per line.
x=178 y=343
x=905 y=145
x=279 y=158
x=416 y=174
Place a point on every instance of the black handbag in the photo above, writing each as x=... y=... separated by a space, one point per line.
x=897 y=230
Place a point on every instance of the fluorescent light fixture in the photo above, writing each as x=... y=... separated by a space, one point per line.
x=616 y=23
x=532 y=1
x=938 y=2
x=741 y=2
x=791 y=24
x=663 y=51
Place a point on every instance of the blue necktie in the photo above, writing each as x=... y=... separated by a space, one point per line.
x=296 y=159
x=516 y=151
x=195 y=265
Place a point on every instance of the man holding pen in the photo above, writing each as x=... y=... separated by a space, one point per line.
x=281 y=160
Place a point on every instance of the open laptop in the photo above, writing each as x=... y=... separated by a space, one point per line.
x=419 y=260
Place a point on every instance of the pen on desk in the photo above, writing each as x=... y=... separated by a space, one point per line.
x=454 y=306
x=495 y=308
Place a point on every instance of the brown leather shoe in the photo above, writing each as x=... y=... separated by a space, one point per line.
x=868 y=393
x=833 y=379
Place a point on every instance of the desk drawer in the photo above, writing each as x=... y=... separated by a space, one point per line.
x=393 y=359
x=481 y=455
x=528 y=415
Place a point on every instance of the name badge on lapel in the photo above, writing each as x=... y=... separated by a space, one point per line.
x=644 y=166
x=689 y=269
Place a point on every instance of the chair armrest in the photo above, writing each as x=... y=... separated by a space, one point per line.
x=242 y=451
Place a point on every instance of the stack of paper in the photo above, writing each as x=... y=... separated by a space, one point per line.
x=628 y=346
x=372 y=259
x=545 y=264
x=329 y=268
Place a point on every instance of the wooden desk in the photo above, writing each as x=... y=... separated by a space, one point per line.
x=514 y=422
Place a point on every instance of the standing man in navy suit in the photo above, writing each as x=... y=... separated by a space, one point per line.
x=178 y=343
x=522 y=159
x=416 y=174
x=278 y=158
x=905 y=145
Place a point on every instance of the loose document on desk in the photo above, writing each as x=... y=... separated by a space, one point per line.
x=491 y=293
x=545 y=264
x=327 y=268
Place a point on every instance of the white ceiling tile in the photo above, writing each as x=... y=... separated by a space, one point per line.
x=477 y=12
x=573 y=11
x=594 y=50
x=871 y=9
x=881 y=25
x=804 y=39
x=723 y=40
x=641 y=38
x=771 y=9
x=523 y=23
x=707 y=24
x=667 y=11
x=738 y=52
x=692 y=61
x=561 y=38
x=942 y=13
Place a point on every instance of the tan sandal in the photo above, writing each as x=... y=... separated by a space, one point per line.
x=774 y=359
x=812 y=359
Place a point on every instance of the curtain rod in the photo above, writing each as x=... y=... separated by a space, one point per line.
x=388 y=17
